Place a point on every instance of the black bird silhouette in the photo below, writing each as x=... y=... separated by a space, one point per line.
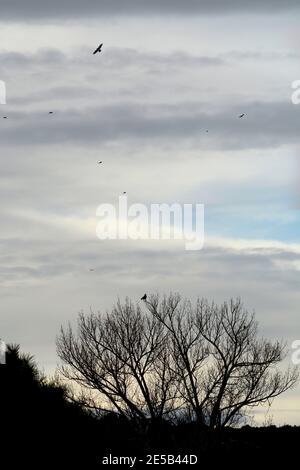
x=124 y=192
x=50 y=112
x=99 y=48
x=144 y=297
x=241 y=115
x=100 y=162
x=4 y=117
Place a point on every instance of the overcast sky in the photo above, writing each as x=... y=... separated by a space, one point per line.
x=19 y=9
x=169 y=71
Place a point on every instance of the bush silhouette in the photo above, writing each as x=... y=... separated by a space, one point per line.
x=37 y=420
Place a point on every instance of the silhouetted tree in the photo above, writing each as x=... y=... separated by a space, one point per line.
x=175 y=358
x=222 y=368
x=124 y=356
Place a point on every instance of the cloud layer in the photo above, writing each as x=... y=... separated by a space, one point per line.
x=18 y=9
x=143 y=108
x=146 y=97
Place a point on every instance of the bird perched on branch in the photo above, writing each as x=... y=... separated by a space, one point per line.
x=144 y=297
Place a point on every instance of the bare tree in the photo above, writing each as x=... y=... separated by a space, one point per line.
x=222 y=367
x=187 y=349
x=123 y=357
x=172 y=358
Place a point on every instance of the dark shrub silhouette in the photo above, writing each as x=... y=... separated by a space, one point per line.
x=37 y=420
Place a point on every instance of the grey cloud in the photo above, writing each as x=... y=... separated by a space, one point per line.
x=32 y=9
x=41 y=57
x=260 y=55
x=125 y=57
x=112 y=58
x=49 y=74
x=265 y=125
x=116 y=58
x=142 y=78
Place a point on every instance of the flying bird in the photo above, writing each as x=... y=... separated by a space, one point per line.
x=99 y=162
x=124 y=192
x=51 y=112
x=99 y=49
x=144 y=297
x=241 y=115
x=4 y=117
